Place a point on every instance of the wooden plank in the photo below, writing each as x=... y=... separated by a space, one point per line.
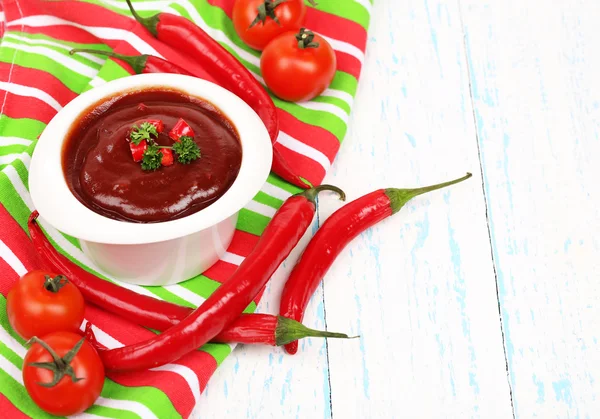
x=262 y=382
x=419 y=288
x=534 y=76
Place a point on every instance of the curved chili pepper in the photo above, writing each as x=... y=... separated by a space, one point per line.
x=228 y=302
x=161 y=315
x=249 y=329
x=280 y=168
x=183 y=35
x=143 y=64
x=339 y=230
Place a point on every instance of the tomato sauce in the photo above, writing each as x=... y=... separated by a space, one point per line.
x=100 y=171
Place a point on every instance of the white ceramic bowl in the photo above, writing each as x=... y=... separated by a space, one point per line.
x=158 y=253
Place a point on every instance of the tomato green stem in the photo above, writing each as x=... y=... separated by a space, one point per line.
x=265 y=10
x=399 y=197
x=59 y=366
x=305 y=39
x=56 y=283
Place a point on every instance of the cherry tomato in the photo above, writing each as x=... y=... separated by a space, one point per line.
x=254 y=20
x=42 y=303
x=74 y=384
x=298 y=66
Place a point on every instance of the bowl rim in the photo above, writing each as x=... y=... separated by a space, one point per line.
x=56 y=204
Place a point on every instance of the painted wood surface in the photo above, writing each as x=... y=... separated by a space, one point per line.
x=481 y=300
x=534 y=83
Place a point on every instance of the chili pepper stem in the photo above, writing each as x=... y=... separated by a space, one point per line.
x=136 y=62
x=311 y=194
x=289 y=330
x=149 y=23
x=399 y=197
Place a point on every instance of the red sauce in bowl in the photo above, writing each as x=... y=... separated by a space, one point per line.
x=100 y=170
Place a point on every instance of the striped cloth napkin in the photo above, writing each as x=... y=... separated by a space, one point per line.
x=38 y=77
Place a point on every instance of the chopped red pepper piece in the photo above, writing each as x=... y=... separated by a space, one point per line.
x=167 y=158
x=137 y=151
x=181 y=129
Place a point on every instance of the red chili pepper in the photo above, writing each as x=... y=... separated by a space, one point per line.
x=267 y=329
x=339 y=230
x=181 y=129
x=251 y=329
x=229 y=300
x=90 y=337
x=167 y=157
x=160 y=315
x=281 y=168
x=271 y=330
x=137 y=151
x=141 y=64
x=267 y=113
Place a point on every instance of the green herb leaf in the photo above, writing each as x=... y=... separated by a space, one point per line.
x=152 y=158
x=187 y=150
x=143 y=132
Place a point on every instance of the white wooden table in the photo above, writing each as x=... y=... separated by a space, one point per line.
x=481 y=300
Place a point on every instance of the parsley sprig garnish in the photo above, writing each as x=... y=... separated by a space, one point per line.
x=152 y=159
x=144 y=132
x=187 y=150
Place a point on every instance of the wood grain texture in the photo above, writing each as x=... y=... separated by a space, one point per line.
x=419 y=288
x=480 y=301
x=534 y=78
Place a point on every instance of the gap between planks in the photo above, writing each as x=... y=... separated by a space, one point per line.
x=325 y=322
x=487 y=217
